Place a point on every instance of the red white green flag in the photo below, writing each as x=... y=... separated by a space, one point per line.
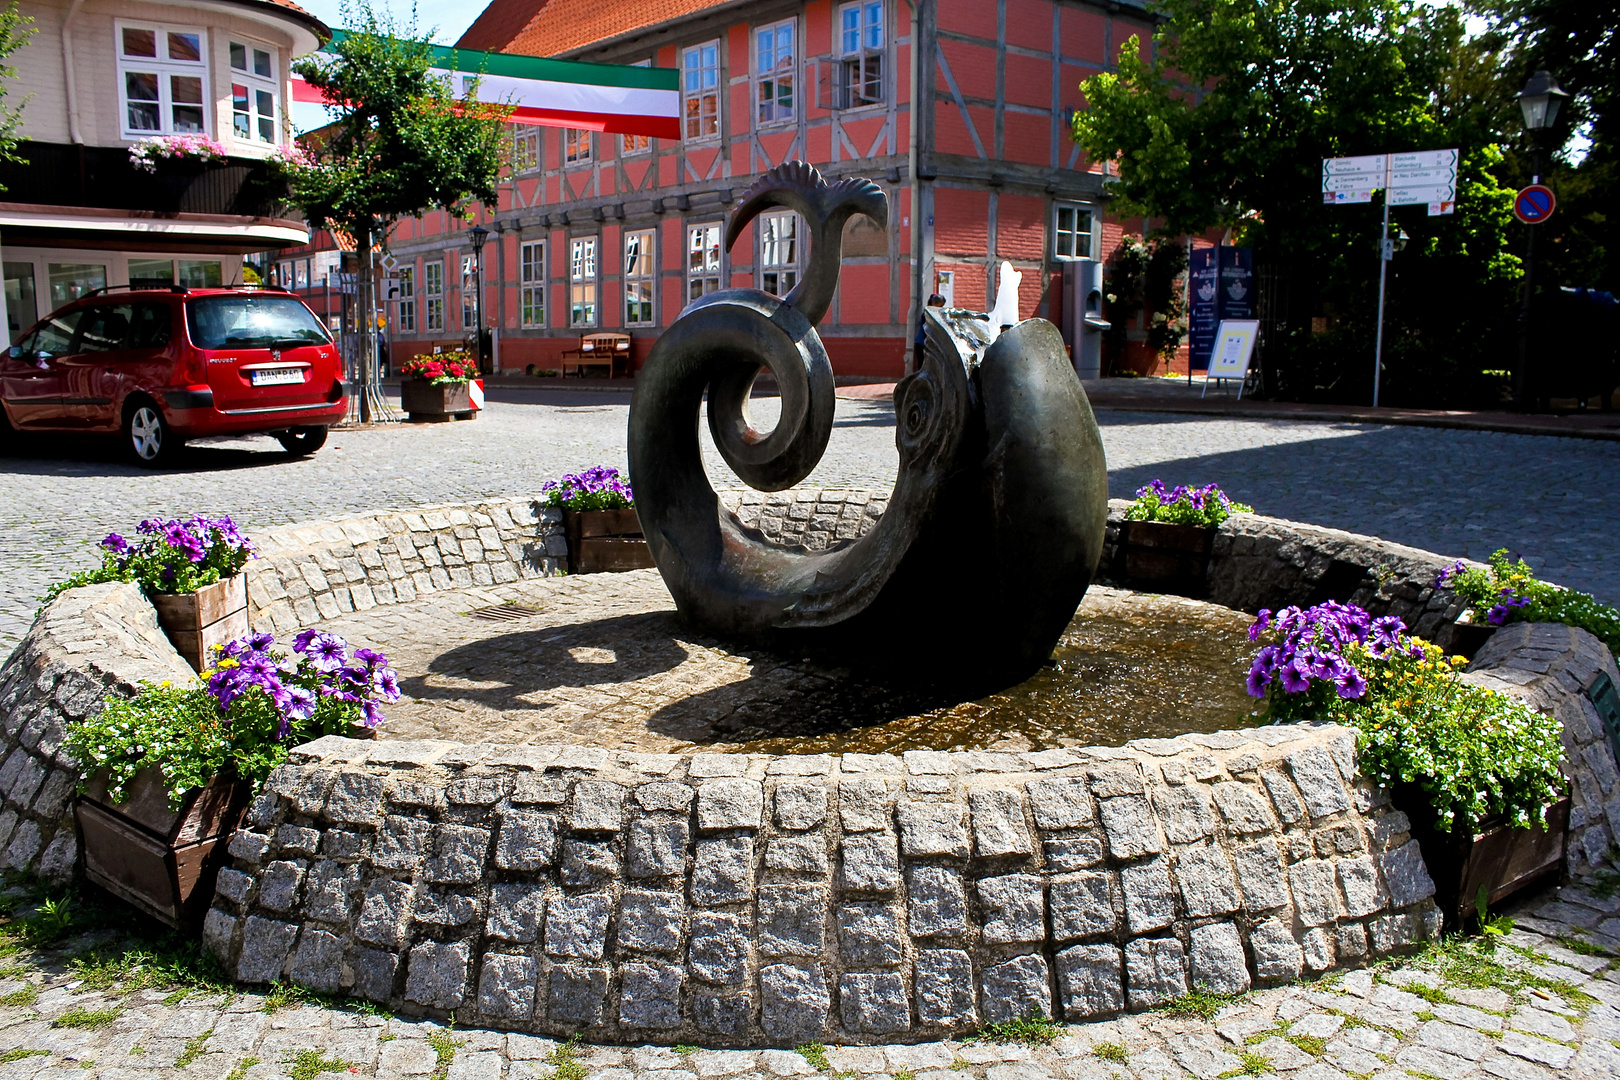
x=612 y=98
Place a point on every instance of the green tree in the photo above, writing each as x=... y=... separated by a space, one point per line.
x=15 y=30
x=400 y=142
x=1226 y=126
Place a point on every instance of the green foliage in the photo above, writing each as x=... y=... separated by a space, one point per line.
x=1493 y=592
x=25 y=996
x=1199 y=1005
x=1250 y=1064
x=816 y=1055
x=400 y=141
x=176 y=556
x=1492 y=929
x=88 y=1019
x=242 y=1067
x=15 y=30
x=18 y=1053
x=565 y=1065
x=1282 y=85
x=1476 y=754
x=308 y=1064
x=1147 y=273
x=1184 y=505
x=1031 y=1030
x=1113 y=1053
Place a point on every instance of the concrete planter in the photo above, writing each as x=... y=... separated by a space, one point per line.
x=427 y=402
x=1496 y=857
x=162 y=861
x=605 y=541
x=196 y=622
x=1161 y=557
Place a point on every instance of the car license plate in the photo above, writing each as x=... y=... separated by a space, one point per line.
x=277 y=376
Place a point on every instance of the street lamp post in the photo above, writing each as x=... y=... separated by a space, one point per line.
x=478 y=235
x=1539 y=102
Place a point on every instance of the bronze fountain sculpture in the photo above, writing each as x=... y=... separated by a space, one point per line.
x=995 y=525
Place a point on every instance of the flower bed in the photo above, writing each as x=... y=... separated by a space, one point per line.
x=599 y=519
x=1505 y=591
x=1168 y=537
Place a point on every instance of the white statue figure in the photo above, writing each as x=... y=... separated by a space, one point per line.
x=1005 y=313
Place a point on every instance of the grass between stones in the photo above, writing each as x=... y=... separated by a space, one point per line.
x=565 y=1065
x=816 y=1055
x=87 y=1019
x=1113 y=1053
x=18 y=1053
x=25 y=996
x=905 y=1074
x=1199 y=1005
x=193 y=1050
x=242 y=1068
x=308 y=1064
x=1250 y=1064
x=445 y=1044
x=1311 y=1044
x=1032 y=1030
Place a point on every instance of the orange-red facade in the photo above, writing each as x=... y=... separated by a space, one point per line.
x=958 y=108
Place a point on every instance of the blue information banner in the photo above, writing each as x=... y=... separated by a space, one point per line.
x=1221 y=281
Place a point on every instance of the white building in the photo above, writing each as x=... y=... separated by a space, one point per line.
x=103 y=74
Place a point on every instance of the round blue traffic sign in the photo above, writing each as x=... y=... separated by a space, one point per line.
x=1534 y=204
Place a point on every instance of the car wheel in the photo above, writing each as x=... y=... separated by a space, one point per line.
x=147 y=436
x=300 y=442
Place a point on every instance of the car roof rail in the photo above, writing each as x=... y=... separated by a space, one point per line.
x=181 y=289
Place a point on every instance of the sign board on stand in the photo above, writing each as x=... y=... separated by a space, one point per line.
x=1221 y=283
x=1234 y=347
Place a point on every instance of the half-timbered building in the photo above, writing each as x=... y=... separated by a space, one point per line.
x=960 y=109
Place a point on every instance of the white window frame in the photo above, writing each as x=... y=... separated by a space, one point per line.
x=164 y=69
x=526 y=149
x=636 y=144
x=469 y=292
x=407 y=299
x=433 y=295
x=583 y=310
x=863 y=55
x=772 y=70
x=641 y=270
x=256 y=85
x=774 y=263
x=700 y=82
x=1059 y=233
x=703 y=240
x=532 y=283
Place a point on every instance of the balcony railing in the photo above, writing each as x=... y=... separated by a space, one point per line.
x=58 y=174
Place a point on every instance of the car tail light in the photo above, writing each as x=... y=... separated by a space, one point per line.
x=193 y=368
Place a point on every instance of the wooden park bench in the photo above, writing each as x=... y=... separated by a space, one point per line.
x=607 y=349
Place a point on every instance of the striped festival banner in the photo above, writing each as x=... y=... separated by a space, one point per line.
x=611 y=98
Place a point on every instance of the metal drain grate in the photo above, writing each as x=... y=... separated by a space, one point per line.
x=504 y=613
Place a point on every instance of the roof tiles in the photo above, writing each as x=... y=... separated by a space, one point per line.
x=564 y=25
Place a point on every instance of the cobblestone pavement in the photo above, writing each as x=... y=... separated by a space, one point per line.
x=1544 y=1004
x=1455 y=492
x=607 y=662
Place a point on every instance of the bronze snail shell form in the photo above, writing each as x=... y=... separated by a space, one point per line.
x=995 y=525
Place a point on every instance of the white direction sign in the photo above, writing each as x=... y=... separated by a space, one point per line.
x=1429 y=176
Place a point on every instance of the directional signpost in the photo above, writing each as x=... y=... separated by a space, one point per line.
x=1428 y=177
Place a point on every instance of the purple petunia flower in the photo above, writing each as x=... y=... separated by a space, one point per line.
x=388 y=684
x=261 y=642
x=116 y=544
x=1293 y=679
x=302 y=642
x=1262 y=621
x=300 y=703
x=1351 y=685
x=1258 y=681
x=328 y=651
x=370 y=657
x=373 y=713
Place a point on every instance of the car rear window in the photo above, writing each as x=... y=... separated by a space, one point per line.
x=251 y=322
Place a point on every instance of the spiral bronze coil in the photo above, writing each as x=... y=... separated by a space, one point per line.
x=995 y=525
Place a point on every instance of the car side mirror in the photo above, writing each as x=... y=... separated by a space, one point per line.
x=15 y=352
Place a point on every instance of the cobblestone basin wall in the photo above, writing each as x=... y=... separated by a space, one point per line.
x=86 y=644
x=1549 y=666
x=754 y=900
x=306 y=573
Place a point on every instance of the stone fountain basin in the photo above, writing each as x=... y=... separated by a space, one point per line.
x=747 y=899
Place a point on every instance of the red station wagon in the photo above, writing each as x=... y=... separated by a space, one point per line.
x=165 y=365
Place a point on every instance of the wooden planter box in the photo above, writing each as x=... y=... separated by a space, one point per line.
x=426 y=402
x=163 y=862
x=1502 y=859
x=601 y=541
x=1161 y=557
x=196 y=622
